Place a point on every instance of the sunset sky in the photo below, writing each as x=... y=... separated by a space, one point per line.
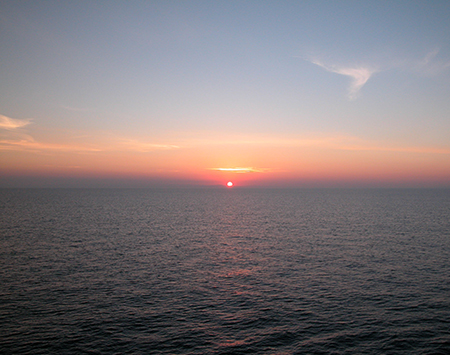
x=198 y=93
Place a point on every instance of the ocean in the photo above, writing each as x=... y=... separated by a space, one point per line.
x=225 y=271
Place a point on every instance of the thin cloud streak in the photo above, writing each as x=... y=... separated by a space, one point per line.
x=359 y=75
x=13 y=123
x=311 y=140
x=431 y=65
x=138 y=146
x=335 y=141
x=242 y=170
x=421 y=150
x=76 y=109
x=27 y=145
x=13 y=140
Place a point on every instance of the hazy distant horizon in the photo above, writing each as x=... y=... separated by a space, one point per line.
x=52 y=182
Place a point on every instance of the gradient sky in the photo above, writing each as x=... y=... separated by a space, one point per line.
x=263 y=93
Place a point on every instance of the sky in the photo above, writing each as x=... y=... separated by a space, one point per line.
x=198 y=93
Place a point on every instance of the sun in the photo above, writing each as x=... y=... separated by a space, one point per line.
x=229 y=184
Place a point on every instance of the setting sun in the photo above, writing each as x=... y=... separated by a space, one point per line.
x=229 y=184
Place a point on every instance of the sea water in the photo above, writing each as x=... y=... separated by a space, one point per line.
x=224 y=271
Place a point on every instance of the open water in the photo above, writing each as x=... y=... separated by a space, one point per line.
x=216 y=271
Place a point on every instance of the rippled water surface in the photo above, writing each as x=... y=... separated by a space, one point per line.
x=224 y=271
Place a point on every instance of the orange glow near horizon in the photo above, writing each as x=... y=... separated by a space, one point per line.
x=253 y=162
x=230 y=184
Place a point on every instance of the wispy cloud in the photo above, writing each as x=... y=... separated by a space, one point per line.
x=359 y=75
x=76 y=109
x=431 y=64
x=332 y=141
x=306 y=140
x=13 y=123
x=391 y=148
x=139 y=146
x=242 y=170
x=33 y=146
x=97 y=143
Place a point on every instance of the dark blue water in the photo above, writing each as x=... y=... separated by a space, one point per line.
x=224 y=271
